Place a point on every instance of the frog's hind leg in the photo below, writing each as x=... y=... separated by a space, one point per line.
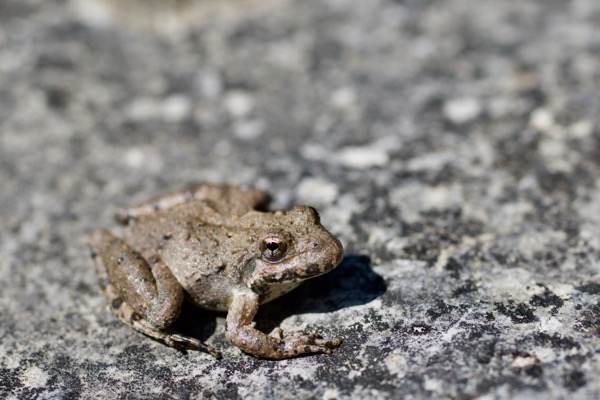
x=239 y=200
x=146 y=298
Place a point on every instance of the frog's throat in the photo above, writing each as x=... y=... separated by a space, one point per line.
x=276 y=290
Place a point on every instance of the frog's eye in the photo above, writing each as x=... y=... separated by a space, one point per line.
x=273 y=249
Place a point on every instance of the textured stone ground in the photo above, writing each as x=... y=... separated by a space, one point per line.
x=452 y=145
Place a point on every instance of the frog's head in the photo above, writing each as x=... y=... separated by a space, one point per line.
x=293 y=247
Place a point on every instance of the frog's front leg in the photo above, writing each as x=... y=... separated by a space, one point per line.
x=142 y=293
x=239 y=332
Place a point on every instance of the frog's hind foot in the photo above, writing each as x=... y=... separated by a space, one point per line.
x=169 y=337
x=172 y=338
x=178 y=340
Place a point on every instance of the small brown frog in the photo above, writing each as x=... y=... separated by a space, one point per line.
x=212 y=246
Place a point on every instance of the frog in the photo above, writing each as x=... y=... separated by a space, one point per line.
x=219 y=248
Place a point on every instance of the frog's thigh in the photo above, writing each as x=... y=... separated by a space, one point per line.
x=150 y=304
x=130 y=282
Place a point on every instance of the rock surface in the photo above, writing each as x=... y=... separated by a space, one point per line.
x=454 y=147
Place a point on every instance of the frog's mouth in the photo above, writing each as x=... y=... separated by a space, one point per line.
x=276 y=283
x=291 y=270
x=308 y=272
x=263 y=277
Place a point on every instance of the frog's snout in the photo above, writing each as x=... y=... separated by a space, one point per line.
x=327 y=248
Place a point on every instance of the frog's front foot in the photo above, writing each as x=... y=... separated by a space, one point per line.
x=238 y=330
x=257 y=343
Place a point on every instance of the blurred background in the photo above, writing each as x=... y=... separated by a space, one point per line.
x=453 y=146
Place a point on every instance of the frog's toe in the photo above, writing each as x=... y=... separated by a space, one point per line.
x=313 y=343
x=278 y=333
x=329 y=344
x=316 y=349
x=324 y=346
x=178 y=340
x=318 y=340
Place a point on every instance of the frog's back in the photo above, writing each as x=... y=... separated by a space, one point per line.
x=149 y=233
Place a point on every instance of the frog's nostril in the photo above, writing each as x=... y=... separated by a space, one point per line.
x=315 y=245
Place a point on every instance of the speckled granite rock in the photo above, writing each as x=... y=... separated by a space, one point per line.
x=453 y=146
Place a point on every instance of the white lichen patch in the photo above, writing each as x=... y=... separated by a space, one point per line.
x=413 y=198
x=34 y=377
x=375 y=154
x=135 y=157
x=510 y=283
x=249 y=129
x=581 y=129
x=536 y=241
x=521 y=362
x=557 y=155
x=434 y=385
x=175 y=108
x=317 y=191
x=238 y=103
x=429 y=162
x=331 y=394
x=544 y=354
x=362 y=157
x=396 y=363
x=462 y=110
x=344 y=98
x=562 y=290
x=508 y=218
x=338 y=218
x=542 y=120
x=550 y=324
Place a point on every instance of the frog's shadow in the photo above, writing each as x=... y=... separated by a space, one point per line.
x=350 y=284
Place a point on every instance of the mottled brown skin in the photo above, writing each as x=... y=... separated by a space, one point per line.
x=210 y=245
